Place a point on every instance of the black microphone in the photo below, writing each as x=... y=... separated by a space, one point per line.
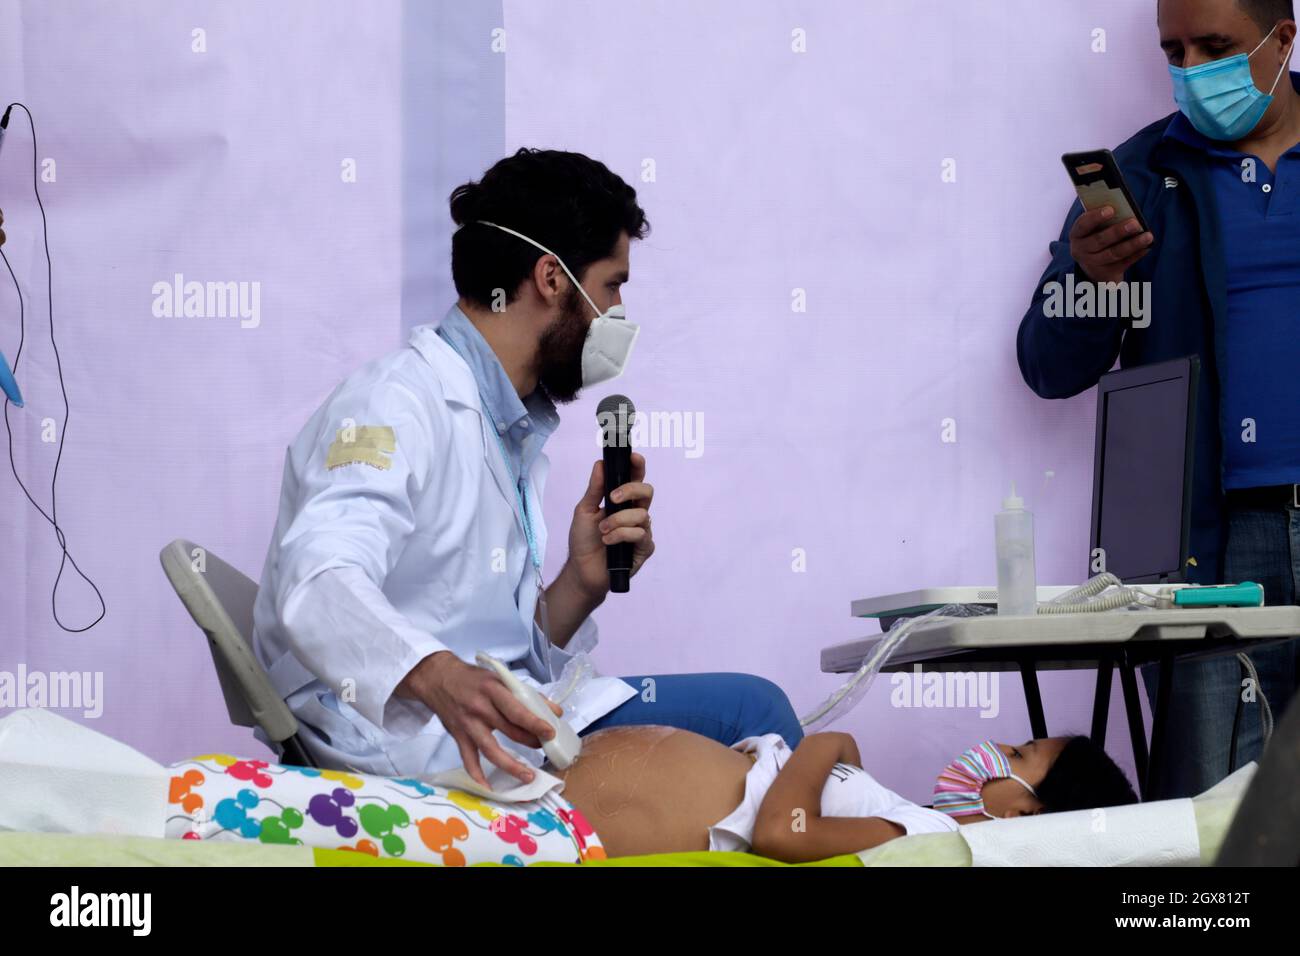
x=614 y=415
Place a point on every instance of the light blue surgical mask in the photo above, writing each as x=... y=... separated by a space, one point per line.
x=1220 y=97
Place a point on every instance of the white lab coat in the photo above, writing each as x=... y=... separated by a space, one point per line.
x=375 y=564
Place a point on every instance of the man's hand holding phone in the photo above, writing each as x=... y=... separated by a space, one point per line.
x=1106 y=248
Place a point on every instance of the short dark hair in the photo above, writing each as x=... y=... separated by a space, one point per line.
x=570 y=203
x=1267 y=13
x=1082 y=777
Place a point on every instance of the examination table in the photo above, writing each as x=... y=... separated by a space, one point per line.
x=1213 y=812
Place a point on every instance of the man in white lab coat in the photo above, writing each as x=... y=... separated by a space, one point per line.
x=410 y=532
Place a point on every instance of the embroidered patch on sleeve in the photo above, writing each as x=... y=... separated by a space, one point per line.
x=362 y=445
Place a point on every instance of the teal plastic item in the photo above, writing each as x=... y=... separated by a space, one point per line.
x=1245 y=594
x=7 y=383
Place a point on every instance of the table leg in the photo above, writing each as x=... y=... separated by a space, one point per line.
x=1159 y=722
x=1033 y=699
x=1136 y=729
x=1101 y=701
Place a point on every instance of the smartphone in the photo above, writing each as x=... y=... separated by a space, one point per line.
x=1098 y=182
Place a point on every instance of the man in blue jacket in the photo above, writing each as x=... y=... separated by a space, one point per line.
x=1219 y=186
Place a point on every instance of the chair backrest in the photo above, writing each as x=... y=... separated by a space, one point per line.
x=220 y=599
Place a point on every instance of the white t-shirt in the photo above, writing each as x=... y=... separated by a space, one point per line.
x=849 y=792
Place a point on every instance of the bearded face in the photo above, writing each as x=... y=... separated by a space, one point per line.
x=560 y=350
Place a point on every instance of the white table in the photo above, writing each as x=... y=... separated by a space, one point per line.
x=1127 y=639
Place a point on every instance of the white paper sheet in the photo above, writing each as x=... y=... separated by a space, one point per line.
x=1162 y=833
x=57 y=776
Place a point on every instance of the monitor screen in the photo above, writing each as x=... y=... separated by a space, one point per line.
x=1143 y=444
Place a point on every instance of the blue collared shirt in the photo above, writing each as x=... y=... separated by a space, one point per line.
x=1259 y=212
x=523 y=424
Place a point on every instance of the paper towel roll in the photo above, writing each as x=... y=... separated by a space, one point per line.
x=1162 y=833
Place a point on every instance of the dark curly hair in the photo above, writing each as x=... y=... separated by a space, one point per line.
x=1083 y=777
x=568 y=202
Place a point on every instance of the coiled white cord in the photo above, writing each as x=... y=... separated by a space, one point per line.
x=1088 y=597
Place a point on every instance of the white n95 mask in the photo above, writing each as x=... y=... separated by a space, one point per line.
x=610 y=336
x=609 y=343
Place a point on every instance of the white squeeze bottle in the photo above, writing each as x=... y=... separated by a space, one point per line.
x=1013 y=528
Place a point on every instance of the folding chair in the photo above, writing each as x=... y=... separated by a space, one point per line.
x=220 y=599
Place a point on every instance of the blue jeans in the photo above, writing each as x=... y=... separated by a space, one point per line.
x=1264 y=547
x=723 y=707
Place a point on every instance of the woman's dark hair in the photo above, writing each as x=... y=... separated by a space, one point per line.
x=568 y=202
x=1083 y=777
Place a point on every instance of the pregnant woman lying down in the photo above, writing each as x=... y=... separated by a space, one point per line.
x=662 y=790
x=632 y=791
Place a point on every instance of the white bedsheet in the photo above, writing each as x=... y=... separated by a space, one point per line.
x=57 y=776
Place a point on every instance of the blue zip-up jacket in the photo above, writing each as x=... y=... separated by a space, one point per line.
x=1061 y=357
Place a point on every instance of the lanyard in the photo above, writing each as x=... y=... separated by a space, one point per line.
x=521 y=498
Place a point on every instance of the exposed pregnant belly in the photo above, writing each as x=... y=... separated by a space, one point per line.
x=654 y=789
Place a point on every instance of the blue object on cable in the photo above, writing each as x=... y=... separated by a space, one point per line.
x=8 y=384
x=1245 y=594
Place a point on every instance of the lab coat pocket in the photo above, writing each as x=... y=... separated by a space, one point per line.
x=320 y=711
x=430 y=751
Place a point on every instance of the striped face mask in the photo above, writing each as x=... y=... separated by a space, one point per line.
x=958 y=791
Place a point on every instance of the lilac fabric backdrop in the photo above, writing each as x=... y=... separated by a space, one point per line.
x=775 y=171
x=225 y=165
x=816 y=470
